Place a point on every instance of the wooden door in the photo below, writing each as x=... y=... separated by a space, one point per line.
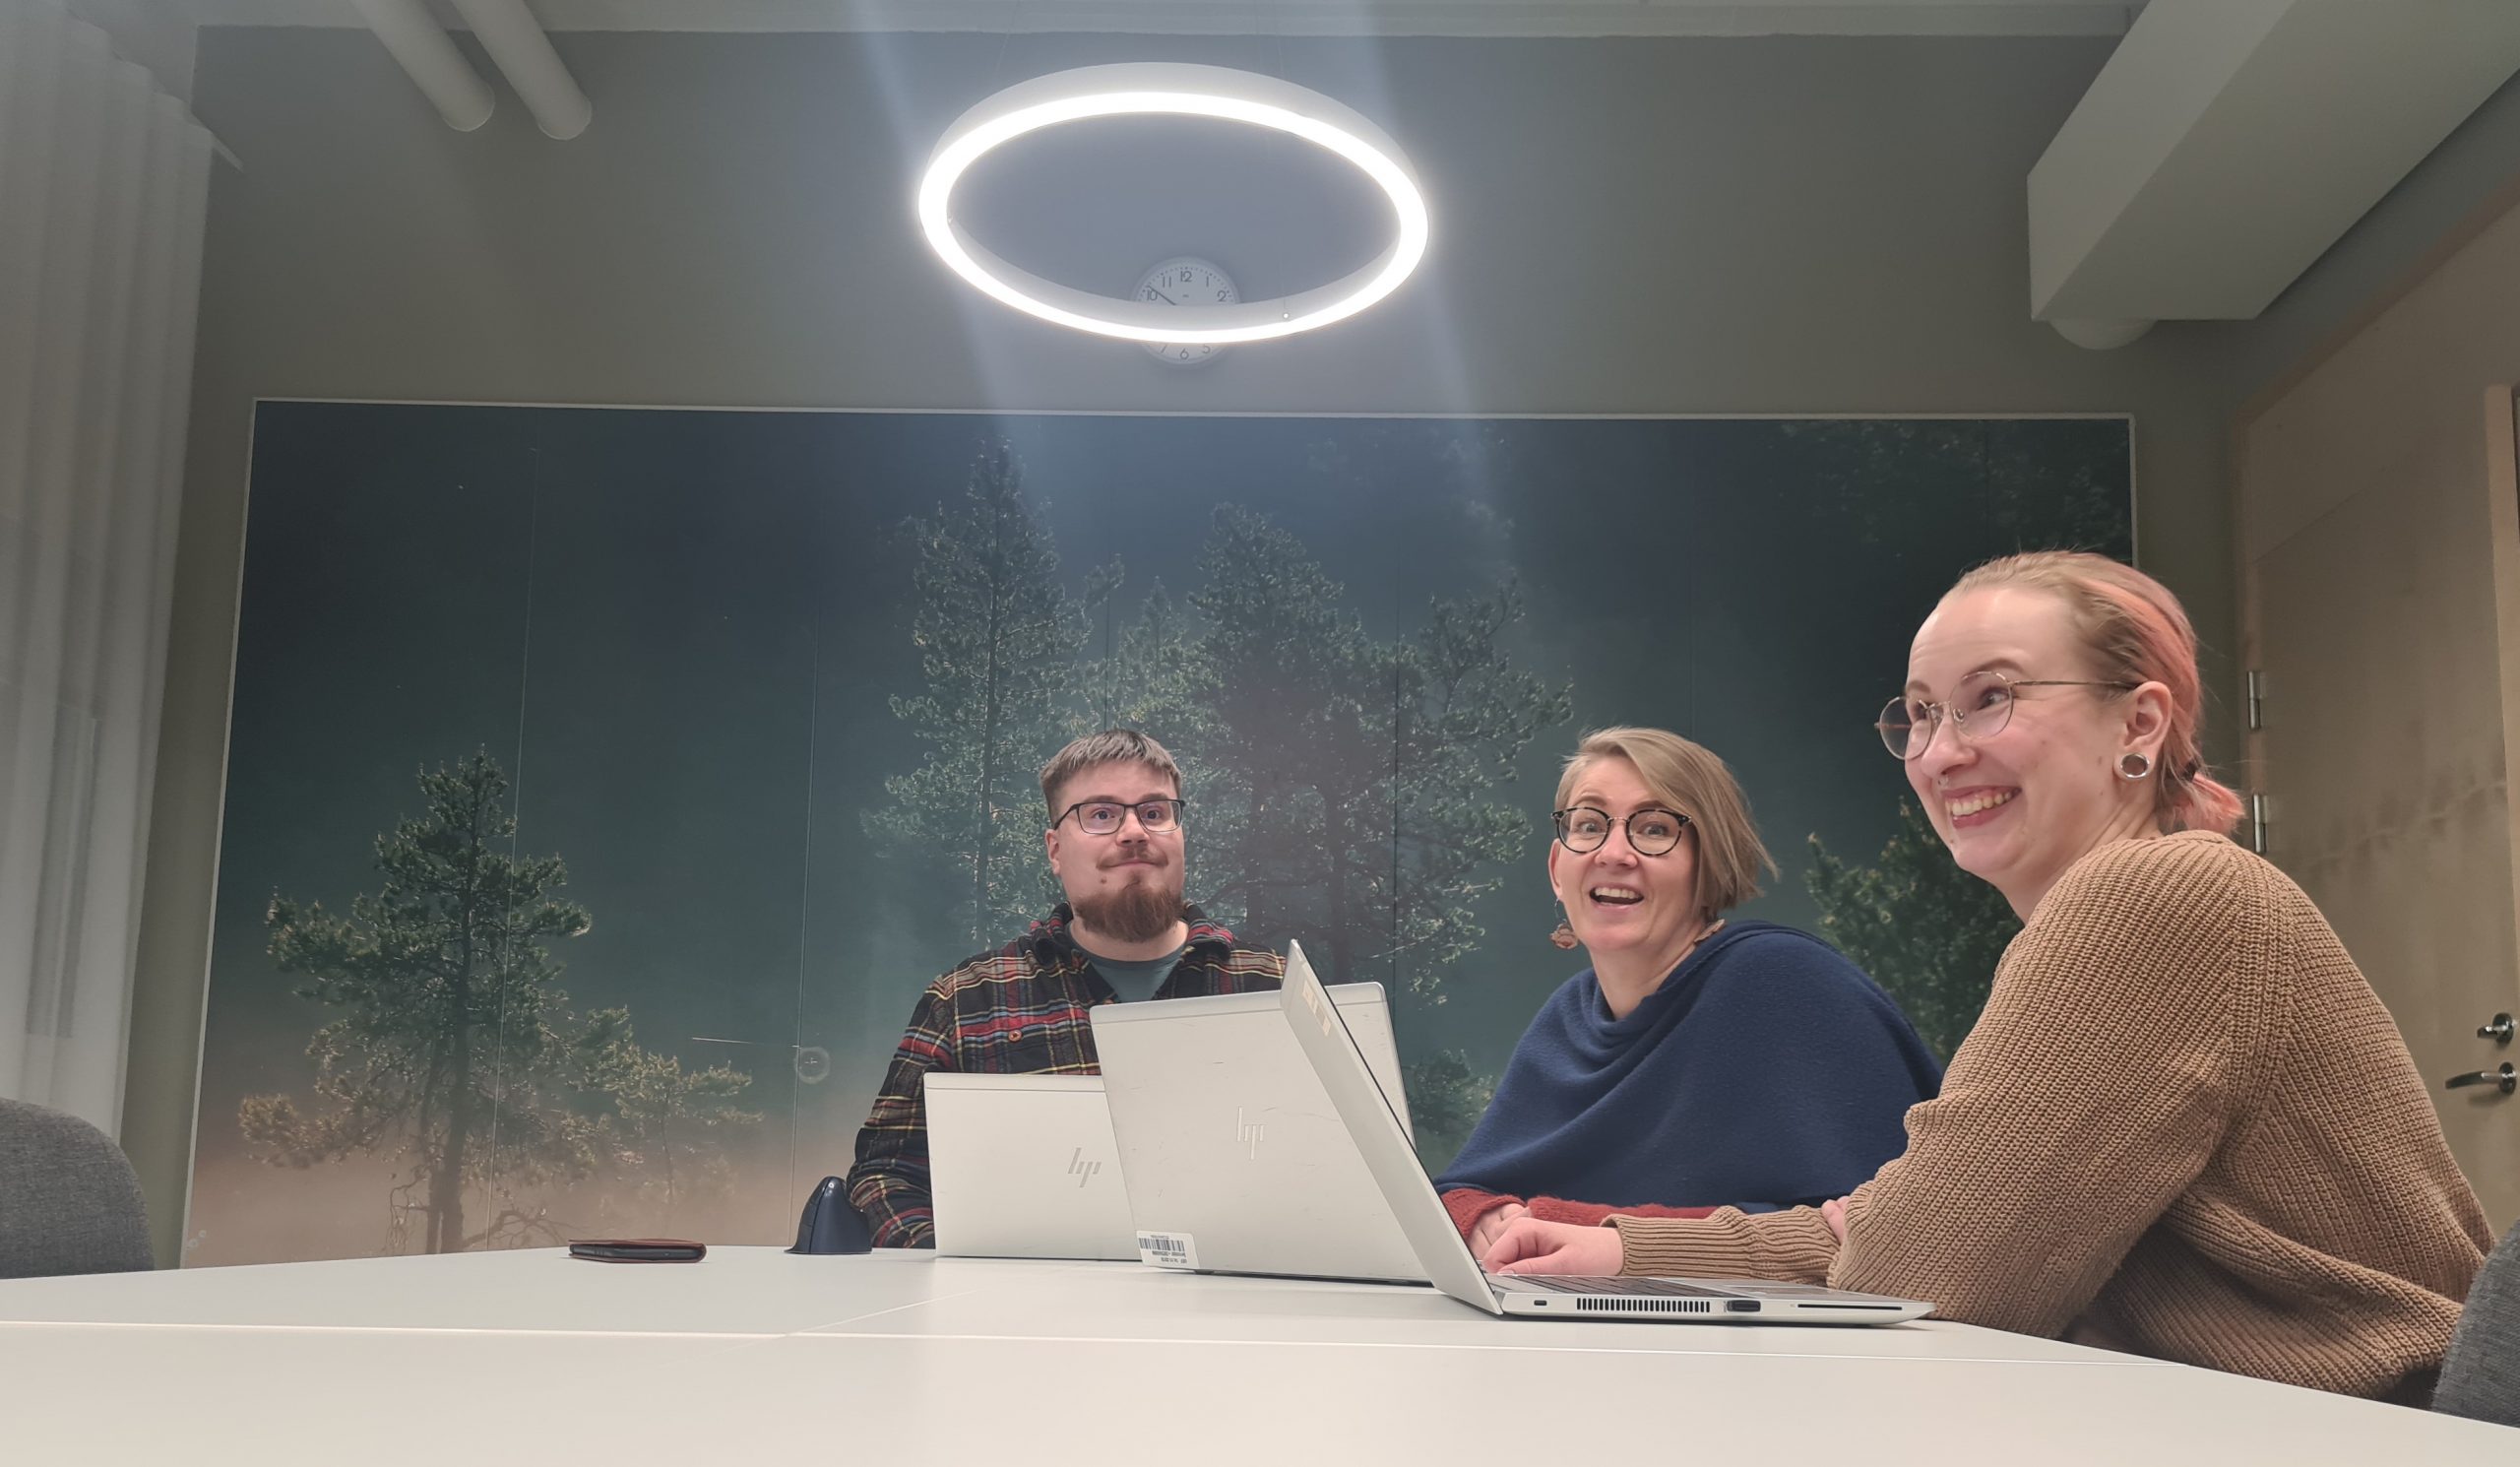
x=2382 y=614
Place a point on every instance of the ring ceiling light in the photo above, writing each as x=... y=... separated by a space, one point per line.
x=1145 y=89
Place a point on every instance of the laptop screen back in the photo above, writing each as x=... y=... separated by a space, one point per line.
x=1236 y=1159
x=1025 y=1166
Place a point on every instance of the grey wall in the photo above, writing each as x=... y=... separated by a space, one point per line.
x=1791 y=225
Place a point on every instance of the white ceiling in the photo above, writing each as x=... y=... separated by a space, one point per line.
x=1507 y=17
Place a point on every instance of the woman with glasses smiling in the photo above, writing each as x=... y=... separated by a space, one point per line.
x=2183 y=1125
x=1698 y=1062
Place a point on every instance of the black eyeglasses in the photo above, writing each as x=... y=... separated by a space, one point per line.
x=1104 y=816
x=1979 y=708
x=1650 y=832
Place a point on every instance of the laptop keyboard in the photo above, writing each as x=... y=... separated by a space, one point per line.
x=1635 y=1287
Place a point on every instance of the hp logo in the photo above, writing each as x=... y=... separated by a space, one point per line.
x=1081 y=1168
x=1247 y=1133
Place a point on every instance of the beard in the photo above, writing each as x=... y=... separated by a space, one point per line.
x=1137 y=911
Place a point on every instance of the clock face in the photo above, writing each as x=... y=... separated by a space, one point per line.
x=1186 y=280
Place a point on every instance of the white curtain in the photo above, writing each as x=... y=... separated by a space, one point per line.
x=104 y=184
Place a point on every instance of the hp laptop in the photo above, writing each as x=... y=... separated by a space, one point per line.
x=1236 y=1160
x=1408 y=1200
x=1023 y=1167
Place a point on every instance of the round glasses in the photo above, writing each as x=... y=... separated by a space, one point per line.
x=1582 y=828
x=1979 y=708
x=1104 y=816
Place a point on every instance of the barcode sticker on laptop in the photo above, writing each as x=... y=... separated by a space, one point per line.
x=1168 y=1249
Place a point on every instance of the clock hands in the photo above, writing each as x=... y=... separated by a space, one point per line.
x=1194 y=280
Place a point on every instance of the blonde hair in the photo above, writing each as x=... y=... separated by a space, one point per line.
x=2135 y=633
x=1110 y=746
x=1694 y=783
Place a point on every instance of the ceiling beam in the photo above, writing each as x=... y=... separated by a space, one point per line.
x=2229 y=143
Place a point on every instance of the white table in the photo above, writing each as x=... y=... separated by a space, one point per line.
x=756 y=1356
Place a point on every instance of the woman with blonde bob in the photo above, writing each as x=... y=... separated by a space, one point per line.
x=1699 y=1061
x=2185 y=1125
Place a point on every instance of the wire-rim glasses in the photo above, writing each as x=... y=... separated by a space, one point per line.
x=1106 y=816
x=1979 y=707
x=1650 y=832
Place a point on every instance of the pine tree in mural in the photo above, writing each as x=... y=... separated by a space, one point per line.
x=455 y=1056
x=1354 y=778
x=1446 y=1097
x=1463 y=714
x=2036 y=484
x=1927 y=931
x=998 y=639
x=663 y=1127
x=453 y=1026
x=1361 y=772
x=1300 y=746
x=1340 y=788
x=1151 y=671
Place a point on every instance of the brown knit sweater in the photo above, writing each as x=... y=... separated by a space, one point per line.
x=2184 y=1126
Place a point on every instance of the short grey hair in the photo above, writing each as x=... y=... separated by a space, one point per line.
x=1110 y=746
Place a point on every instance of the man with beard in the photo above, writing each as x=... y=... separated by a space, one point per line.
x=1124 y=934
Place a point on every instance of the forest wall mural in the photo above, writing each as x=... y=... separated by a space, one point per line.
x=606 y=784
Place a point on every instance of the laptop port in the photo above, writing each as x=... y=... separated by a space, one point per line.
x=1742 y=1305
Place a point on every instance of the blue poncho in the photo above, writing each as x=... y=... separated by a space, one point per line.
x=1766 y=1072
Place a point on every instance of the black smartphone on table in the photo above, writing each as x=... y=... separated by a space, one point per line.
x=638 y=1250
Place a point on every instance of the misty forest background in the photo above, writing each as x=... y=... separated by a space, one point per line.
x=604 y=785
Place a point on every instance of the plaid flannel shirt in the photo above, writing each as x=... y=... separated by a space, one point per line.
x=1018 y=1011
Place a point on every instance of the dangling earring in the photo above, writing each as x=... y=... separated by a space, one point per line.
x=2133 y=765
x=1563 y=936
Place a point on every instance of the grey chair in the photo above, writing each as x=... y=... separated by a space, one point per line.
x=2481 y=1376
x=69 y=1200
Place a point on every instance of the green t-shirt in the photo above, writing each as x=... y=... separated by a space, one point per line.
x=1135 y=983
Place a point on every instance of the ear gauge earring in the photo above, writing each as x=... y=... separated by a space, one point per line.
x=2132 y=765
x=1563 y=936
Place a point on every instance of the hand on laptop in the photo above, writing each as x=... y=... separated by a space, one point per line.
x=1492 y=1225
x=1530 y=1245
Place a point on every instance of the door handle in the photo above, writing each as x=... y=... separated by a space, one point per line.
x=2499 y=1030
x=2505 y=1080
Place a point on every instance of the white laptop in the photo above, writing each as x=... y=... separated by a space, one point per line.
x=1408 y=1200
x=1234 y=1159
x=1023 y=1167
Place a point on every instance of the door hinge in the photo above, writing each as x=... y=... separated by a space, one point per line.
x=2256 y=700
x=2257 y=823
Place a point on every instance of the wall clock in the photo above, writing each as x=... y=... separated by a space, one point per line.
x=1187 y=280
